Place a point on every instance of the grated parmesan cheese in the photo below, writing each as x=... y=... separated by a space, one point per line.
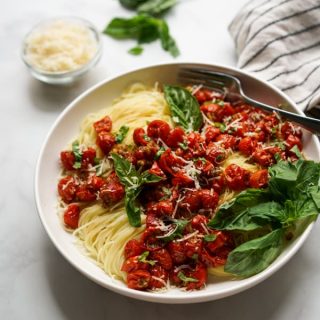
x=60 y=46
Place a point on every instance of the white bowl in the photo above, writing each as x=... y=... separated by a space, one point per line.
x=66 y=128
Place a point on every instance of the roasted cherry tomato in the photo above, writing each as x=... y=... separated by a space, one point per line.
x=181 y=179
x=105 y=124
x=169 y=163
x=133 y=263
x=175 y=137
x=85 y=194
x=236 y=177
x=162 y=258
x=247 y=145
x=209 y=199
x=71 y=216
x=96 y=183
x=158 y=129
x=156 y=170
x=199 y=222
x=191 y=201
x=211 y=133
x=88 y=157
x=67 y=189
x=132 y=248
x=199 y=274
x=106 y=141
x=193 y=247
x=289 y=128
x=112 y=192
x=215 y=153
x=162 y=208
x=226 y=141
x=159 y=277
x=138 y=279
x=140 y=137
x=263 y=157
x=67 y=159
x=292 y=141
x=177 y=252
x=259 y=179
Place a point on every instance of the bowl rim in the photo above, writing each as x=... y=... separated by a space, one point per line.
x=202 y=295
x=72 y=73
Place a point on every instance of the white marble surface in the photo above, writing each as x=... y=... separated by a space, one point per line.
x=35 y=281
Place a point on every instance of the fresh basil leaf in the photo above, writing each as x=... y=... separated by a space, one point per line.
x=77 y=165
x=210 y=237
x=186 y=279
x=184 y=108
x=144 y=29
x=132 y=4
x=314 y=193
x=258 y=216
x=123 y=131
x=136 y=51
x=298 y=209
x=167 y=42
x=133 y=182
x=229 y=212
x=297 y=152
x=132 y=209
x=156 y=7
x=147 y=177
x=256 y=255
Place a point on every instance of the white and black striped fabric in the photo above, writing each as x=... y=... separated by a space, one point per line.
x=279 y=41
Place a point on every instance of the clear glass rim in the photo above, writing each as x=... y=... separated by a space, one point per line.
x=72 y=73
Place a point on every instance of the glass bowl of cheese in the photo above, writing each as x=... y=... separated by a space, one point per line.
x=61 y=50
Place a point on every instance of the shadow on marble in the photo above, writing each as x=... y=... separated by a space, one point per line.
x=79 y=298
x=52 y=98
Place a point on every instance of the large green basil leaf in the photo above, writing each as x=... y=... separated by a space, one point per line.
x=185 y=110
x=256 y=255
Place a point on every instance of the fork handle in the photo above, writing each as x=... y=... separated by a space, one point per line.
x=308 y=123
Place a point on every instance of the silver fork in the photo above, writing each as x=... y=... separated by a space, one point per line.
x=220 y=81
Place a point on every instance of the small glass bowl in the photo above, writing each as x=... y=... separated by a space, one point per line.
x=65 y=77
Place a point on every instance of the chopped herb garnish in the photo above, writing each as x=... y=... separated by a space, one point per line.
x=145 y=137
x=186 y=279
x=183 y=145
x=209 y=237
x=143 y=258
x=123 y=131
x=167 y=193
x=78 y=155
x=136 y=51
x=159 y=153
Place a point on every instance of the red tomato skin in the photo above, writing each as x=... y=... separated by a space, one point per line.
x=211 y=134
x=289 y=128
x=191 y=201
x=67 y=159
x=200 y=273
x=259 y=179
x=236 y=177
x=163 y=258
x=158 y=129
x=96 y=183
x=112 y=192
x=292 y=141
x=133 y=264
x=218 y=183
x=106 y=141
x=132 y=248
x=88 y=157
x=199 y=223
x=156 y=170
x=139 y=137
x=138 y=279
x=177 y=252
x=162 y=208
x=161 y=273
x=103 y=125
x=209 y=199
x=84 y=194
x=227 y=140
x=181 y=179
x=71 y=216
x=203 y=95
x=193 y=247
x=263 y=157
x=247 y=145
x=215 y=154
x=67 y=189
x=212 y=260
x=175 y=137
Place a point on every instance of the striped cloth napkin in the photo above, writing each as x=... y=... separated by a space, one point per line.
x=279 y=41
